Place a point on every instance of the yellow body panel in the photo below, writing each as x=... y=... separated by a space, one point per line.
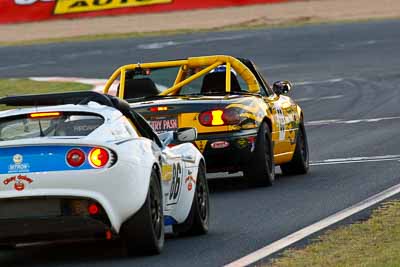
x=166 y=171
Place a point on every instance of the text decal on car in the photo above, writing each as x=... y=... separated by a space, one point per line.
x=19 y=181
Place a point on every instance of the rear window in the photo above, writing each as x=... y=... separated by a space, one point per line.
x=48 y=125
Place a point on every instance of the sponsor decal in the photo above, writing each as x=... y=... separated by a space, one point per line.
x=280 y=118
x=220 y=144
x=201 y=144
x=85 y=128
x=189 y=181
x=161 y=125
x=76 y=6
x=18 y=158
x=19 y=181
x=252 y=140
x=242 y=143
x=19 y=165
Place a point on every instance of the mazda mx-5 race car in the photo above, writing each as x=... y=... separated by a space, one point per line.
x=83 y=165
x=243 y=123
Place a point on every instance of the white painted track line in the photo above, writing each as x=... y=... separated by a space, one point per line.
x=306 y=99
x=98 y=84
x=334 y=80
x=355 y=160
x=339 y=121
x=309 y=230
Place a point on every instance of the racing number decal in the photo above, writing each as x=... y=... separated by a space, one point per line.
x=177 y=175
x=280 y=118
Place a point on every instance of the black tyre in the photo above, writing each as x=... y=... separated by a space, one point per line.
x=261 y=169
x=143 y=234
x=300 y=161
x=198 y=220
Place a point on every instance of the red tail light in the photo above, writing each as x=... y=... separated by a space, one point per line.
x=219 y=117
x=99 y=157
x=76 y=157
x=231 y=117
x=93 y=209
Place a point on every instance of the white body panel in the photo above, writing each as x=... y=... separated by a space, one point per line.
x=122 y=188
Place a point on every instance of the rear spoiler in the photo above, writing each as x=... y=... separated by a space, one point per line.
x=53 y=99
x=75 y=98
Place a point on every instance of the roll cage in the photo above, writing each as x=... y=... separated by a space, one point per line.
x=208 y=63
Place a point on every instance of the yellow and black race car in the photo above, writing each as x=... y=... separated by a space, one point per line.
x=243 y=124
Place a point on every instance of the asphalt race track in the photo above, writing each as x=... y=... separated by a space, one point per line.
x=347 y=80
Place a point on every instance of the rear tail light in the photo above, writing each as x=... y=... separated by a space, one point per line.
x=99 y=157
x=109 y=235
x=76 y=157
x=219 y=117
x=231 y=117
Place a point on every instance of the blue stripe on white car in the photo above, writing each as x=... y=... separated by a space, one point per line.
x=27 y=159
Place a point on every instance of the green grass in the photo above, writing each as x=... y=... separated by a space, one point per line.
x=251 y=25
x=375 y=242
x=25 y=86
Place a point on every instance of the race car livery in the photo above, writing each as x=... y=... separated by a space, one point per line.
x=83 y=165
x=243 y=123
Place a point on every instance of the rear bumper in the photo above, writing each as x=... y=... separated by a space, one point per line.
x=229 y=152
x=51 y=229
x=120 y=190
x=54 y=219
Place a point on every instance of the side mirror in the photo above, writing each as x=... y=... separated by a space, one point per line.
x=282 y=87
x=185 y=134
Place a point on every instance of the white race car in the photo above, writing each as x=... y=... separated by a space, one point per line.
x=83 y=165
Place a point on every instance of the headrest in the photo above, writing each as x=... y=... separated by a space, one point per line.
x=215 y=82
x=142 y=87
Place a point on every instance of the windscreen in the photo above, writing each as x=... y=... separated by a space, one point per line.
x=49 y=124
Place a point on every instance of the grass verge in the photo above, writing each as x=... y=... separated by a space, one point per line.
x=26 y=86
x=250 y=25
x=375 y=242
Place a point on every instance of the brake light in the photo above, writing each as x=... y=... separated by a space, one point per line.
x=219 y=117
x=75 y=157
x=93 y=209
x=39 y=115
x=99 y=157
x=158 y=109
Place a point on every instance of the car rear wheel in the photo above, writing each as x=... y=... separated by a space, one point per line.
x=300 y=161
x=261 y=169
x=144 y=232
x=198 y=220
